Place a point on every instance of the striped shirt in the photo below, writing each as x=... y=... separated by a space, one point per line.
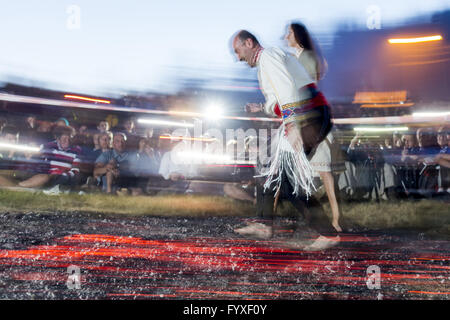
x=61 y=162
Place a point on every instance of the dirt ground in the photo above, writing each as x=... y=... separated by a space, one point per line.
x=123 y=257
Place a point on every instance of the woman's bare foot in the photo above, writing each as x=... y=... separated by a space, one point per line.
x=336 y=225
x=323 y=243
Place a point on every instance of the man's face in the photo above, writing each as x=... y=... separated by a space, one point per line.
x=103 y=126
x=118 y=143
x=64 y=141
x=425 y=138
x=244 y=50
x=129 y=125
x=442 y=138
x=104 y=141
x=82 y=130
x=31 y=121
x=397 y=141
x=408 y=141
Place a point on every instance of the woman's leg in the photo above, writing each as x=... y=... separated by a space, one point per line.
x=328 y=182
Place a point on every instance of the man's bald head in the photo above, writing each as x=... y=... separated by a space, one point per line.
x=245 y=45
x=243 y=35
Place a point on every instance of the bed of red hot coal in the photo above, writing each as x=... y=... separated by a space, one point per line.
x=181 y=258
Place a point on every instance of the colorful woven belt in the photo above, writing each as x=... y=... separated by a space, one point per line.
x=303 y=110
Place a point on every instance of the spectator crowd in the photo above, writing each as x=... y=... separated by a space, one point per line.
x=412 y=164
x=62 y=157
x=59 y=157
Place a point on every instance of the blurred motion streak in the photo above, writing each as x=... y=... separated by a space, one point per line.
x=69 y=96
x=415 y=40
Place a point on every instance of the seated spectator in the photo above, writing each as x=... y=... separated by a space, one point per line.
x=9 y=136
x=113 y=167
x=104 y=145
x=89 y=155
x=176 y=169
x=61 y=160
x=146 y=164
x=61 y=122
x=129 y=128
x=43 y=132
x=29 y=128
x=102 y=127
x=443 y=159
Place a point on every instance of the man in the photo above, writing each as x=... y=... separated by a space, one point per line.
x=291 y=94
x=9 y=136
x=443 y=139
x=61 y=163
x=176 y=170
x=146 y=164
x=113 y=166
x=129 y=128
x=428 y=183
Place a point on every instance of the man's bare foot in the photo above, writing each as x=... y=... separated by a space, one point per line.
x=256 y=229
x=323 y=243
x=296 y=244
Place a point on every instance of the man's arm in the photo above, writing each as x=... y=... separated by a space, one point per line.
x=103 y=165
x=443 y=159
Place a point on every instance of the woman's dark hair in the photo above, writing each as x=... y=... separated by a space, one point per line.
x=302 y=36
x=304 y=40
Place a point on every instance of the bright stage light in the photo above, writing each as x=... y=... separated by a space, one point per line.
x=213 y=112
x=372 y=129
x=416 y=40
x=165 y=123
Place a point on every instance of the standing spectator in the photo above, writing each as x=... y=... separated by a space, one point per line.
x=428 y=174
x=408 y=173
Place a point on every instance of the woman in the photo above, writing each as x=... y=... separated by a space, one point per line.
x=298 y=38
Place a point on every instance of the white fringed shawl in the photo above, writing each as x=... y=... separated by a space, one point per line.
x=293 y=162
